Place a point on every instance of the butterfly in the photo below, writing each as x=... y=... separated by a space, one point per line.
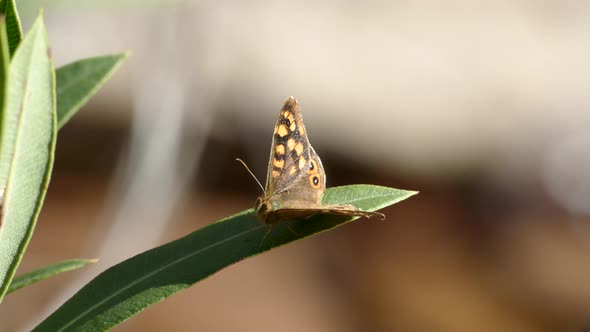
x=295 y=178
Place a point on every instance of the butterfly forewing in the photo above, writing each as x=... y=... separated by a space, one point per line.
x=289 y=151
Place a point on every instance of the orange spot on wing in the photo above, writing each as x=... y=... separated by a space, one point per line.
x=280 y=149
x=292 y=170
x=301 y=126
x=282 y=131
x=291 y=144
x=287 y=114
x=302 y=163
x=278 y=163
x=299 y=148
x=275 y=174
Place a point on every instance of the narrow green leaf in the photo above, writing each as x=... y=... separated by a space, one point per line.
x=27 y=146
x=46 y=272
x=5 y=147
x=133 y=285
x=13 y=26
x=4 y=63
x=78 y=81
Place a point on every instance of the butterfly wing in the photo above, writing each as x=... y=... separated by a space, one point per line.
x=296 y=180
x=289 y=151
x=339 y=210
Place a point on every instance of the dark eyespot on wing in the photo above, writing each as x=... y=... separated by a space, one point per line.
x=314 y=181
x=313 y=167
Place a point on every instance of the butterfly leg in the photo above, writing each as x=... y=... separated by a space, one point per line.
x=268 y=229
x=291 y=229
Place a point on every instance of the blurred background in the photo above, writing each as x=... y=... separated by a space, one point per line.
x=481 y=106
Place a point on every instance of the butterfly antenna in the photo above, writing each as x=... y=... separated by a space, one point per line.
x=249 y=171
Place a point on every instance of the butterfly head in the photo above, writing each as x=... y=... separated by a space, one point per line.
x=264 y=208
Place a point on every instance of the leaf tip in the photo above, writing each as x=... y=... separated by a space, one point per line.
x=39 y=22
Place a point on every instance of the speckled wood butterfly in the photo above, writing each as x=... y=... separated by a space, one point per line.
x=295 y=179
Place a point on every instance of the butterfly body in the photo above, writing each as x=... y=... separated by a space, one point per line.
x=295 y=180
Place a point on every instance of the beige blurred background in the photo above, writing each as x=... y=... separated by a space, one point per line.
x=481 y=106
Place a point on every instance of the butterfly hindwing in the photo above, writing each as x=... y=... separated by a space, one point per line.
x=308 y=189
x=340 y=210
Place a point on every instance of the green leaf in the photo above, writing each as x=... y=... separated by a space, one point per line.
x=5 y=146
x=13 y=26
x=78 y=81
x=133 y=285
x=46 y=272
x=4 y=63
x=27 y=146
